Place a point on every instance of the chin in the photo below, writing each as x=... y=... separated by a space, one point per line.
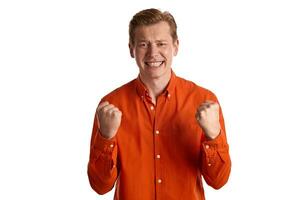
x=158 y=73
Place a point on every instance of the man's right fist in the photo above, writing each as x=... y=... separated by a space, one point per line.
x=109 y=119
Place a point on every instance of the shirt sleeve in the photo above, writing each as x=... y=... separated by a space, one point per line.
x=102 y=166
x=215 y=158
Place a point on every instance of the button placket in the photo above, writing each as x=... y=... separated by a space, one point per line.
x=159 y=179
x=157 y=159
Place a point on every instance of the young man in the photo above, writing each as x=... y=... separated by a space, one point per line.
x=159 y=134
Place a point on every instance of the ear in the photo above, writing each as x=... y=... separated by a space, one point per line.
x=131 y=50
x=176 y=46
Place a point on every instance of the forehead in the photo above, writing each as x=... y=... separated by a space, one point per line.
x=158 y=31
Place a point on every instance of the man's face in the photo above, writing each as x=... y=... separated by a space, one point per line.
x=153 y=50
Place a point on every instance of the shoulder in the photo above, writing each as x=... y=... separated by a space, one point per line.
x=122 y=92
x=191 y=88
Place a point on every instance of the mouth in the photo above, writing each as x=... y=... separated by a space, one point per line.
x=154 y=63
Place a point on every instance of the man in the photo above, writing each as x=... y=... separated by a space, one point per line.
x=159 y=134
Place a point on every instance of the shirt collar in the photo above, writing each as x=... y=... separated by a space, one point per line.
x=169 y=90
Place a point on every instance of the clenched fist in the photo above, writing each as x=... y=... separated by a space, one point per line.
x=207 y=115
x=109 y=119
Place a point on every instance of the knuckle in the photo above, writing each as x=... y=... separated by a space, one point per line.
x=216 y=106
x=104 y=110
x=202 y=113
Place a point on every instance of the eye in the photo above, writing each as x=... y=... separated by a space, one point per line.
x=142 y=44
x=161 y=44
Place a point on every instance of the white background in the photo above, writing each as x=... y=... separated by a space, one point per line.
x=59 y=57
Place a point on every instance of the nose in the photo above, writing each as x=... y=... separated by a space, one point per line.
x=152 y=50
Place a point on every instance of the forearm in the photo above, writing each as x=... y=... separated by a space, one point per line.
x=215 y=161
x=102 y=170
x=102 y=175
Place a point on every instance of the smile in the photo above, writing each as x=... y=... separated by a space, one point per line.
x=154 y=64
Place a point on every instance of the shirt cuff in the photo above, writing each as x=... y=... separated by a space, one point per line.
x=103 y=144
x=217 y=143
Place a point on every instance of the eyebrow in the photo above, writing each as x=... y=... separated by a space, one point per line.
x=154 y=41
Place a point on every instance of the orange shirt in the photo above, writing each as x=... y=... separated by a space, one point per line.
x=160 y=151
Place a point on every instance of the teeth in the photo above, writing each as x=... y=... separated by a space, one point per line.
x=154 y=64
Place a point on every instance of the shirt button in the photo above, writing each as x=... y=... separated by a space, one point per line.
x=159 y=180
x=209 y=164
x=207 y=146
x=111 y=145
x=156 y=132
x=152 y=108
x=169 y=95
x=158 y=156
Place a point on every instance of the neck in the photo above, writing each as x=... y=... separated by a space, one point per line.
x=156 y=86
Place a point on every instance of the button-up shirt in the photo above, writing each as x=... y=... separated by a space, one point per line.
x=160 y=151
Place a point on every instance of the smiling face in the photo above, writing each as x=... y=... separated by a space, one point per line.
x=153 y=50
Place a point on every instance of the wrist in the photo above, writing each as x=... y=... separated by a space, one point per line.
x=210 y=135
x=106 y=134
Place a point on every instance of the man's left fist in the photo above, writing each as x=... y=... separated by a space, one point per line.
x=207 y=115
